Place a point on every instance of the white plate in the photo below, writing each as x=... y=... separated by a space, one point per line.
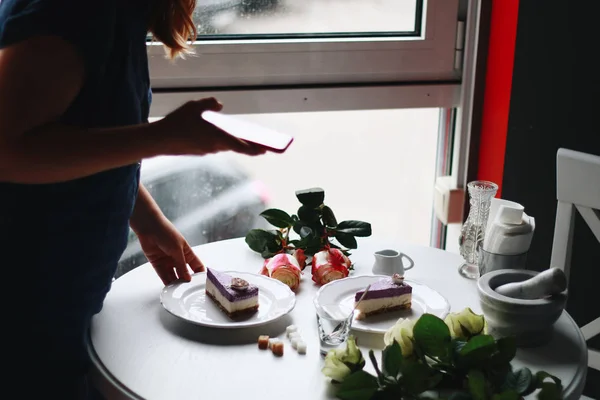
x=188 y=301
x=341 y=292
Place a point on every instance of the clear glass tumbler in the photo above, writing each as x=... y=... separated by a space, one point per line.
x=333 y=323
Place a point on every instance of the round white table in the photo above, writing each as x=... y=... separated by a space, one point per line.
x=141 y=351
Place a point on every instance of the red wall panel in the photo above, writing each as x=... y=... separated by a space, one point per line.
x=498 y=82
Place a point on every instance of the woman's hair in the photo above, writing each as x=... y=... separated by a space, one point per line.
x=171 y=23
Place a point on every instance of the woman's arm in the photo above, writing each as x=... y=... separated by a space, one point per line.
x=145 y=212
x=39 y=79
x=165 y=248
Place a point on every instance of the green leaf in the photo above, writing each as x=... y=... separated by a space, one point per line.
x=261 y=241
x=520 y=380
x=346 y=240
x=298 y=226
x=507 y=349
x=497 y=374
x=312 y=197
x=354 y=228
x=312 y=244
x=477 y=351
x=434 y=380
x=415 y=377
x=457 y=345
x=392 y=359
x=358 y=386
x=305 y=231
x=433 y=336
x=476 y=384
x=541 y=376
x=477 y=342
x=309 y=215
x=550 y=391
x=391 y=391
x=506 y=395
x=268 y=253
x=278 y=218
x=328 y=217
x=460 y=396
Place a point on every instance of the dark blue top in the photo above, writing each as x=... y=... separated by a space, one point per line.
x=65 y=239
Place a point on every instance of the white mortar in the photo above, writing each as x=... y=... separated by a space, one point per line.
x=531 y=321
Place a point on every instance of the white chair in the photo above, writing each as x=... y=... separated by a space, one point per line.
x=577 y=188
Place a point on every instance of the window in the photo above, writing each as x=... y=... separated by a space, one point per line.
x=393 y=80
x=374 y=165
x=377 y=166
x=300 y=42
x=314 y=18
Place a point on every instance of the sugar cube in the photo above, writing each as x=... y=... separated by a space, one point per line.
x=263 y=342
x=277 y=348
x=273 y=341
x=301 y=347
x=291 y=329
x=295 y=335
x=295 y=342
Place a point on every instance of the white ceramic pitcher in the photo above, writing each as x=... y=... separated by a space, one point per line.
x=390 y=262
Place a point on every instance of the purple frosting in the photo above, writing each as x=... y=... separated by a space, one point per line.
x=384 y=288
x=223 y=281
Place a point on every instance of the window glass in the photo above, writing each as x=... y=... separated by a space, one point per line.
x=308 y=17
x=376 y=166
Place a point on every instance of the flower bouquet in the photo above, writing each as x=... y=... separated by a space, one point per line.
x=318 y=236
x=452 y=358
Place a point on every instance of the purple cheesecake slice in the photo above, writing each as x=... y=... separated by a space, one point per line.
x=234 y=296
x=386 y=295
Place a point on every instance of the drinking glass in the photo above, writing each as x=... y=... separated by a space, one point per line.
x=334 y=323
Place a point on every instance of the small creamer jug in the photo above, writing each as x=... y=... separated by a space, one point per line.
x=390 y=262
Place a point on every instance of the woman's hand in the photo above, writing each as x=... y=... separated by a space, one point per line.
x=169 y=252
x=184 y=131
x=165 y=248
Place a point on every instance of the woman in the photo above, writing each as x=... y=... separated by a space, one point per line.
x=74 y=101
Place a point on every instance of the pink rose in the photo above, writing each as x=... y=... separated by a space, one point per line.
x=329 y=265
x=300 y=257
x=284 y=268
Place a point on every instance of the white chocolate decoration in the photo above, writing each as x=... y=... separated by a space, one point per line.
x=239 y=284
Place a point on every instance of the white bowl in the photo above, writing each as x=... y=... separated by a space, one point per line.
x=530 y=321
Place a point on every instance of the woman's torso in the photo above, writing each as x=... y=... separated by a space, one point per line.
x=65 y=226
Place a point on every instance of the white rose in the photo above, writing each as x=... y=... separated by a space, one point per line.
x=465 y=324
x=335 y=368
x=339 y=363
x=402 y=332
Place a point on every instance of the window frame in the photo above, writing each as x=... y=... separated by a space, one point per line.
x=307 y=99
x=220 y=64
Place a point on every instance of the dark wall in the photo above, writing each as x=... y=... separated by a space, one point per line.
x=555 y=102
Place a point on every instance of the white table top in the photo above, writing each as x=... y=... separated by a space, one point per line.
x=142 y=351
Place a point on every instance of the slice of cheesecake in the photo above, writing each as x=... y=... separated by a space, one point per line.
x=234 y=296
x=386 y=295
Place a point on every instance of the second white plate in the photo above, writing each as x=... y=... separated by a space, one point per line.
x=188 y=301
x=342 y=292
